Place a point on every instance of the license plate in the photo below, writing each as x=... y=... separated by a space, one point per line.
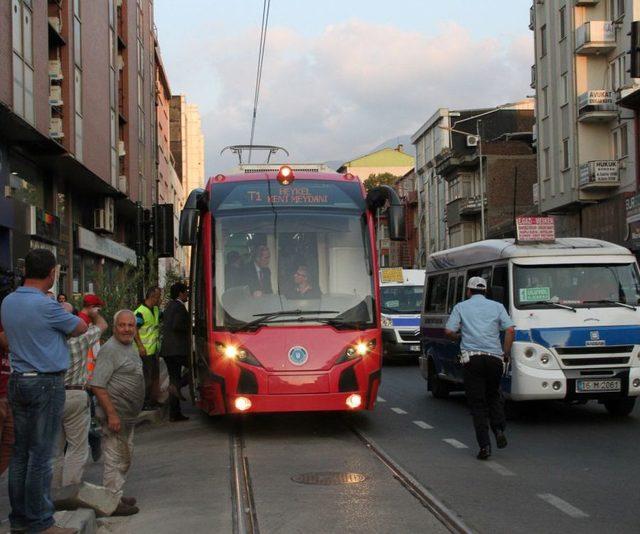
x=583 y=386
x=414 y=348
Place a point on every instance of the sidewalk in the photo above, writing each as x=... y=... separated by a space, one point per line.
x=180 y=476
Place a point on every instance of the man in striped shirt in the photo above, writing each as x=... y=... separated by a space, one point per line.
x=68 y=467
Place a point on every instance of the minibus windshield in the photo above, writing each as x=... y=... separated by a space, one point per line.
x=401 y=299
x=576 y=285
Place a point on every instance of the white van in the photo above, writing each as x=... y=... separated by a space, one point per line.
x=575 y=306
x=401 y=300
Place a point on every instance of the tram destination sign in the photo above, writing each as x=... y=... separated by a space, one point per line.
x=535 y=229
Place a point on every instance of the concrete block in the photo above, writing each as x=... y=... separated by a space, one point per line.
x=82 y=519
x=86 y=495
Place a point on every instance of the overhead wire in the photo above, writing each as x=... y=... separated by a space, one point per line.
x=266 y=5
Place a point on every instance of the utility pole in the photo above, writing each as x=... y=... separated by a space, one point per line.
x=482 y=232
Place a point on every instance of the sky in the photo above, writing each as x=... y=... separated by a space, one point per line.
x=340 y=76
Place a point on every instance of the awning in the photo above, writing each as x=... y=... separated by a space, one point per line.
x=630 y=98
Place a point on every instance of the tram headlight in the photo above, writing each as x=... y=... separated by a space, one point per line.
x=544 y=359
x=534 y=355
x=240 y=354
x=354 y=401
x=357 y=350
x=386 y=322
x=242 y=404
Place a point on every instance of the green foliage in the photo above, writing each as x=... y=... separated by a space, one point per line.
x=374 y=180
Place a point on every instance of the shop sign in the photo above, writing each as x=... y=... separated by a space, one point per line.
x=43 y=225
x=102 y=246
x=535 y=229
x=599 y=171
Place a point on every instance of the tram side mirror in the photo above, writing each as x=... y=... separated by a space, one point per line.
x=497 y=294
x=378 y=198
x=189 y=217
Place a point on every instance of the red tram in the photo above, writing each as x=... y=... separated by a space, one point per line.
x=285 y=298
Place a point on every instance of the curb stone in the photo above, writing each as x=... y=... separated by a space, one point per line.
x=82 y=519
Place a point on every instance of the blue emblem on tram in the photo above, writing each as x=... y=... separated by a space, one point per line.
x=298 y=355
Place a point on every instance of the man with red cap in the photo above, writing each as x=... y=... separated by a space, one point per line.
x=89 y=301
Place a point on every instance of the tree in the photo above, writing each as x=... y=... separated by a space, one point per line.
x=374 y=180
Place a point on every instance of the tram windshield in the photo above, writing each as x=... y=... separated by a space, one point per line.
x=585 y=285
x=283 y=266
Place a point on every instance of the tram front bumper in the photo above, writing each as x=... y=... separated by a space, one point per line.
x=311 y=402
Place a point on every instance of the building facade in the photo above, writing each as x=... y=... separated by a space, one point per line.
x=187 y=143
x=586 y=154
x=451 y=190
x=77 y=132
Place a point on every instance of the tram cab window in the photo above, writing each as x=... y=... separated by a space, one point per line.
x=460 y=290
x=451 y=294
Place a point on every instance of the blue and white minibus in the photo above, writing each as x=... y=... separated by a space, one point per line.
x=575 y=304
x=401 y=302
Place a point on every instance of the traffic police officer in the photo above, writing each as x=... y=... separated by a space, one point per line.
x=148 y=341
x=477 y=323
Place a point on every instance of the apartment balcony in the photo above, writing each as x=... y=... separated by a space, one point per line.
x=597 y=105
x=599 y=174
x=532 y=18
x=463 y=209
x=534 y=77
x=595 y=37
x=587 y=3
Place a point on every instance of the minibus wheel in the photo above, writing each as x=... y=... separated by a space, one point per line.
x=438 y=387
x=620 y=407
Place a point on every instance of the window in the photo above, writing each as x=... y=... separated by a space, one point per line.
x=545 y=101
x=564 y=88
x=500 y=285
x=614 y=142
x=436 y=301
x=460 y=289
x=565 y=154
x=616 y=9
x=451 y=294
x=618 y=71
x=543 y=40
x=547 y=164
x=563 y=31
x=624 y=143
x=77 y=90
x=21 y=26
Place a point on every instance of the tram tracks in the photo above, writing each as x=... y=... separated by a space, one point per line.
x=245 y=518
x=441 y=511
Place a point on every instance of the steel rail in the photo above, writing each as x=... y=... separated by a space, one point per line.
x=441 y=511
x=245 y=518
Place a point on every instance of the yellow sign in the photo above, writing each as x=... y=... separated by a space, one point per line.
x=393 y=274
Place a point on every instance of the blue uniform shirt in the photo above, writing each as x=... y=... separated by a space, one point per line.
x=480 y=322
x=37 y=328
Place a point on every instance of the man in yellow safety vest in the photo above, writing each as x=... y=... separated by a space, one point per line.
x=147 y=339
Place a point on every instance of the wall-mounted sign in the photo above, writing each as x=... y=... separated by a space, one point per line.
x=535 y=229
x=102 y=246
x=42 y=224
x=599 y=171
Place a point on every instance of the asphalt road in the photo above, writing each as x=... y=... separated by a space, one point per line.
x=566 y=469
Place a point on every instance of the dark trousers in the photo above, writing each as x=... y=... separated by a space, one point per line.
x=151 y=371
x=482 y=376
x=37 y=403
x=174 y=368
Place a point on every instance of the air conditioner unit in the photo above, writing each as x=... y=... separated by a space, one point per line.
x=56 y=24
x=104 y=216
x=121 y=150
x=55 y=128
x=472 y=140
x=122 y=183
x=55 y=95
x=55 y=69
